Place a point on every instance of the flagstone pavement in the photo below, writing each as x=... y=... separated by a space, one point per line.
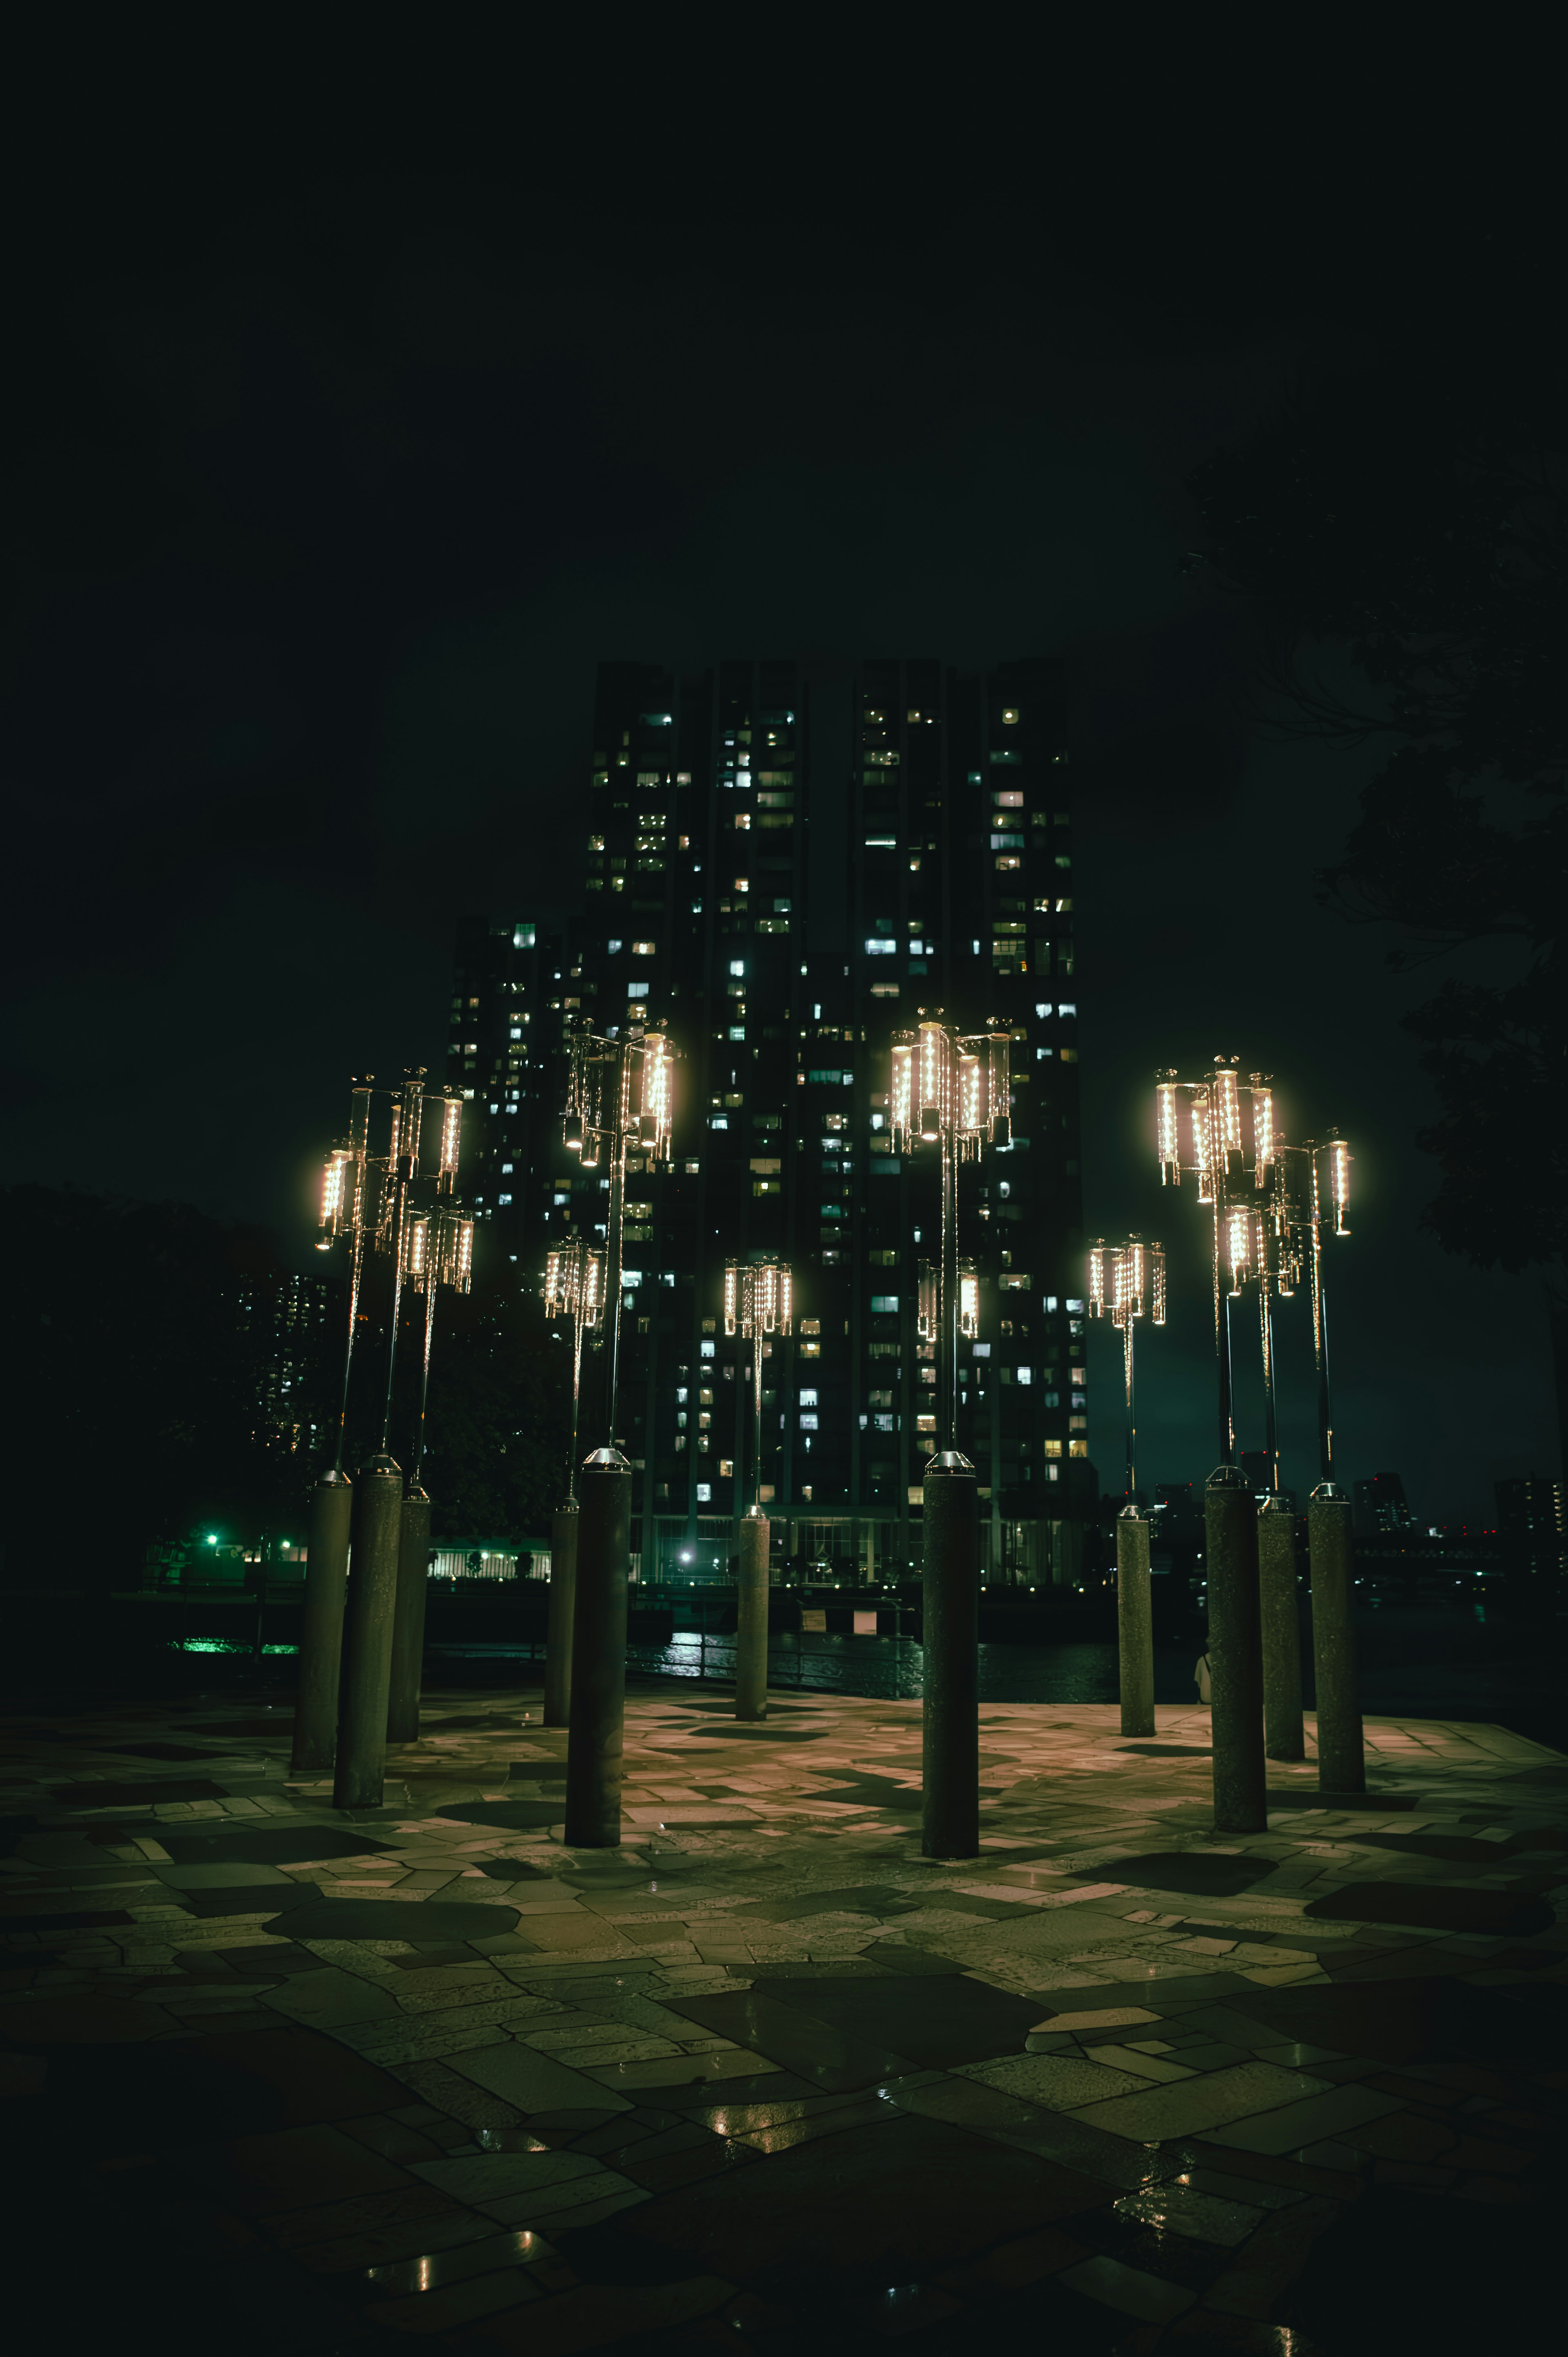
x=763 y=2079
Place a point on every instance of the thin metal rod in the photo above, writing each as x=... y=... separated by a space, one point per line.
x=1325 y=1409
x=1128 y=1331
x=356 y=1270
x=757 y=1403
x=613 y=1234
x=576 y=1396
x=1266 y=1344
x=424 y=1378
x=396 y=1311
x=947 y=1302
x=1320 y=1327
x=1227 y=1417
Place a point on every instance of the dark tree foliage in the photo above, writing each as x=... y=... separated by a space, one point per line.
x=496 y=1448
x=1414 y=515
x=130 y=1386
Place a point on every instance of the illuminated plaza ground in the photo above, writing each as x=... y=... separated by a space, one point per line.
x=763 y=2079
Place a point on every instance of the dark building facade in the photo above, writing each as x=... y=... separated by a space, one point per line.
x=292 y=1326
x=783 y=864
x=504 y=1052
x=1379 y=1503
x=1530 y=1527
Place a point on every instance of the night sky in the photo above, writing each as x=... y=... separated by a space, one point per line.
x=335 y=475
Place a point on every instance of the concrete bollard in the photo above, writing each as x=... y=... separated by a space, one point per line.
x=1283 y=1735
x=950 y=1717
x=361 y=1770
x=408 y=1626
x=321 y=1632
x=562 y=1602
x=751 y=1619
x=595 y=1744
x=1341 y=1753
x=1235 y=1653
x=1134 y=1623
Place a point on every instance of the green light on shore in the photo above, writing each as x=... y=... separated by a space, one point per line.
x=222 y=1645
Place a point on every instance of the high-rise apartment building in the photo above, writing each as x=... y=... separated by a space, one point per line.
x=783 y=864
x=504 y=1052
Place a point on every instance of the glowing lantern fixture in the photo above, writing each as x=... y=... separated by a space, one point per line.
x=620 y=1100
x=393 y=1201
x=1126 y=1283
x=968 y=1300
x=1320 y=1207
x=950 y=1090
x=451 y=1131
x=438 y=1249
x=344 y=1212
x=574 y=1289
x=1273 y=1205
x=759 y=1303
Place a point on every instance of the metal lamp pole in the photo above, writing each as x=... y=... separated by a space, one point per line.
x=573 y=1288
x=1263 y=1232
x=599 y=1125
x=1341 y=1754
x=1215 y=1158
x=345 y=1204
x=758 y=1303
x=360 y=1767
x=1231 y=1189
x=403 y=1168
x=360 y=1770
x=438 y=1249
x=365 y=1196
x=949 y=1089
x=344 y=1212
x=607 y=1070
x=1127 y=1282
x=1324 y=1214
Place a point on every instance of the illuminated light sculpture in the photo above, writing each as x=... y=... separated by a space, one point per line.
x=347 y=1707
x=949 y=1089
x=402 y=1170
x=620 y=1097
x=574 y=1289
x=1127 y=1282
x=451 y=1133
x=1273 y=1204
x=344 y=1212
x=1229 y=1186
x=968 y=1300
x=438 y=1249
x=1320 y=1209
x=927 y=1318
x=929 y=1311
x=759 y=1303
x=389 y=1200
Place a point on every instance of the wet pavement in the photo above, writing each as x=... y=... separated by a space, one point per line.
x=763 y=2079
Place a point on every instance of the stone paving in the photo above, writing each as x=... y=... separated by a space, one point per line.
x=764 y=2079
